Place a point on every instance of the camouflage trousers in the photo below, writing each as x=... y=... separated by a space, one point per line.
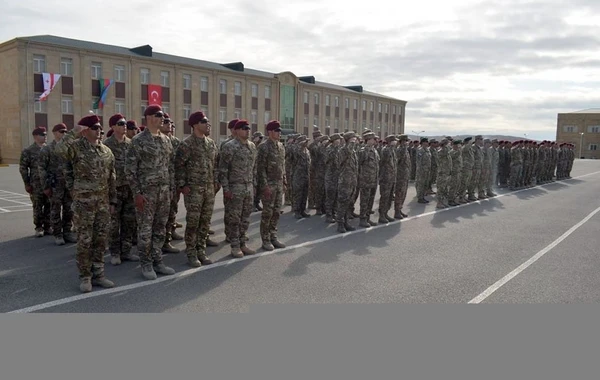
x=465 y=179
x=432 y=177
x=170 y=226
x=61 y=210
x=41 y=210
x=473 y=186
x=331 y=196
x=386 y=194
x=367 y=198
x=484 y=180
x=312 y=187
x=345 y=197
x=515 y=170
x=300 y=193
x=288 y=190
x=269 y=219
x=454 y=187
x=152 y=221
x=320 y=193
x=421 y=183
x=492 y=180
x=122 y=224
x=413 y=169
x=354 y=198
x=443 y=187
x=92 y=218
x=199 y=206
x=237 y=214
x=400 y=191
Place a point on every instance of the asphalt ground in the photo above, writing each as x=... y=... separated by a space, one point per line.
x=537 y=245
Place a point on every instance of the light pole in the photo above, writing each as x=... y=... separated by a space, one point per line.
x=418 y=133
x=581 y=146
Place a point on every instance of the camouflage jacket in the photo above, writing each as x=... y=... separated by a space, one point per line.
x=516 y=156
x=444 y=165
x=404 y=162
x=51 y=167
x=388 y=165
x=348 y=166
x=457 y=162
x=195 y=162
x=477 y=156
x=301 y=163
x=120 y=150
x=332 y=162
x=29 y=166
x=368 y=167
x=149 y=162
x=270 y=164
x=237 y=165
x=468 y=157
x=423 y=160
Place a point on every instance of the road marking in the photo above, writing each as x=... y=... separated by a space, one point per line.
x=489 y=291
x=4 y=210
x=13 y=201
x=189 y=272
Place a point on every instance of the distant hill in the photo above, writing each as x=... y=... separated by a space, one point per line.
x=461 y=137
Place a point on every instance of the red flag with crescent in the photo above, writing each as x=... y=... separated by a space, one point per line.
x=154 y=94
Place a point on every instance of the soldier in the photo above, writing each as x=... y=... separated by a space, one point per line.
x=347 y=180
x=387 y=178
x=332 y=171
x=486 y=168
x=413 y=159
x=149 y=171
x=90 y=176
x=495 y=164
x=467 y=169
x=271 y=184
x=29 y=169
x=231 y=136
x=132 y=129
x=433 y=149
x=237 y=175
x=455 y=173
x=402 y=176
x=368 y=177
x=319 y=180
x=516 y=160
x=257 y=139
x=196 y=178
x=423 y=168
x=475 y=186
x=444 y=172
x=301 y=160
x=52 y=178
x=313 y=150
x=122 y=226
x=289 y=151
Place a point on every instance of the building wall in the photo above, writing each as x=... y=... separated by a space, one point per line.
x=569 y=129
x=10 y=131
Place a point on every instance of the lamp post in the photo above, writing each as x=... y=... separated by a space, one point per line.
x=418 y=133
x=581 y=146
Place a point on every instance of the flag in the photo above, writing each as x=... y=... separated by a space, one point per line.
x=104 y=86
x=50 y=80
x=154 y=94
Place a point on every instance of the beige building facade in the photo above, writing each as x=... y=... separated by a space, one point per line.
x=581 y=128
x=222 y=91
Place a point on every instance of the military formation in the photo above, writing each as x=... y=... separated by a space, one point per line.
x=123 y=191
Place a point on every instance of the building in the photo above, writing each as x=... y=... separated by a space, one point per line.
x=581 y=128
x=223 y=91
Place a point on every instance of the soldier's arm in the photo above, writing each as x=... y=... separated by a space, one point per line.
x=24 y=163
x=171 y=165
x=261 y=167
x=43 y=163
x=112 y=180
x=62 y=147
x=284 y=166
x=224 y=161
x=131 y=169
x=181 y=158
x=216 y=167
x=255 y=168
x=69 y=156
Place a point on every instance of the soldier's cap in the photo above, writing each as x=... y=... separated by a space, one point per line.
x=479 y=137
x=495 y=141
x=467 y=139
x=487 y=141
x=348 y=135
x=293 y=136
x=322 y=138
x=89 y=121
x=152 y=109
x=114 y=119
x=109 y=133
x=258 y=134
x=433 y=141
x=39 y=131
x=274 y=125
x=316 y=133
x=515 y=143
x=301 y=139
x=367 y=130
x=424 y=139
x=167 y=117
x=457 y=142
x=449 y=138
x=369 y=135
x=232 y=123
x=132 y=124
x=444 y=141
x=242 y=124
x=142 y=128
x=335 y=136
x=391 y=138
x=59 y=127
x=402 y=137
x=415 y=141
x=197 y=117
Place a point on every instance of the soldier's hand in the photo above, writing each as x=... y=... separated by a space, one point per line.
x=228 y=195
x=29 y=189
x=48 y=192
x=267 y=193
x=185 y=190
x=140 y=201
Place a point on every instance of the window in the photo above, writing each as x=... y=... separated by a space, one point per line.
x=39 y=63
x=327 y=123
x=237 y=88
x=253 y=117
x=254 y=90
x=337 y=123
x=345 y=124
x=223 y=114
x=364 y=105
x=267 y=116
x=144 y=76
x=593 y=147
x=119 y=107
x=316 y=121
x=237 y=114
x=204 y=84
x=305 y=97
x=119 y=73
x=165 y=107
x=187 y=111
x=316 y=99
x=393 y=110
x=67 y=105
x=372 y=105
x=379 y=107
x=96 y=70
x=143 y=107
x=336 y=101
x=386 y=108
x=187 y=81
x=346 y=103
x=164 y=78
x=222 y=86
x=327 y=100
x=306 y=122
x=570 y=128
x=594 y=129
x=66 y=67
x=355 y=104
x=267 y=92
x=39 y=107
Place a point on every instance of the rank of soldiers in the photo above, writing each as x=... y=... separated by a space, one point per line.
x=124 y=190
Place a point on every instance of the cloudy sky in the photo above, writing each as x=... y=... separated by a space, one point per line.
x=464 y=66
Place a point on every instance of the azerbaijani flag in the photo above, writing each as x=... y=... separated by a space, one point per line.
x=104 y=86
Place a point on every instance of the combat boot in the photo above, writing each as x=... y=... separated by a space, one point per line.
x=403 y=214
x=163 y=269
x=297 y=215
x=305 y=214
x=86 y=285
x=194 y=262
x=211 y=243
x=364 y=223
x=70 y=237
x=168 y=248
x=247 y=251
x=236 y=252
x=204 y=259
x=148 y=272
x=341 y=228
x=103 y=282
x=319 y=212
x=176 y=236
x=398 y=215
x=115 y=260
x=39 y=232
x=267 y=246
x=277 y=244
x=329 y=219
x=382 y=218
x=440 y=205
x=130 y=257
x=348 y=227
x=372 y=223
x=491 y=194
x=389 y=218
x=58 y=240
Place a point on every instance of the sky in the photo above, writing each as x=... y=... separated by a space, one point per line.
x=464 y=66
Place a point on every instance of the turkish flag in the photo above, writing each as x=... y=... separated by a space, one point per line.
x=154 y=94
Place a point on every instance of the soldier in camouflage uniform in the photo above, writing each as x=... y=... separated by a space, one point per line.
x=231 y=136
x=387 y=178
x=290 y=146
x=347 y=180
x=313 y=149
x=90 y=176
x=412 y=149
x=467 y=169
x=368 y=177
x=332 y=171
x=52 y=178
x=444 y=169
x=271 y=184
x=402 y=176
x=571 y=158
x=516 y=160
x=455 y=173
x=300 y=177
x=423 y=168
x=237 y=175
x=122 y=226
x=257 y=138
x=495 y=163
x=475 y=186
x=486 y=168
x=319 y=180
x=196 y=178
x=29 y=169
x=433 y=149
x=149 y=170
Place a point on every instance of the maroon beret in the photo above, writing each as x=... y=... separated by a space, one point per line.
x=114 y=119
x=167 y=116
x=241 y=123
x=89 y=120
x=197 y=117
x=142 y=127
x=274 y=125
x=132 y=124
x=152 y=109
x=232 y=123
x=109 y=133
x=39 y=131
x=59 y=127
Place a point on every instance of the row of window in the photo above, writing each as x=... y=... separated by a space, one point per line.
x=336 y=103
x=574 y=128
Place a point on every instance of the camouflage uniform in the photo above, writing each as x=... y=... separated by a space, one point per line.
x=289 y=152
x=29 y=169
x=434 y=168
x=195 y=168
x=332 y=172
x=270 y=166
x=149 y=172
x=228 y=139
x=444 y=169
x=319 y=179
x=403 y=169
x=347 y=181
x=516 y=161
x=494 y=162
x=387 y=179
x=423 y=172
x=313 y=149
x=51 y=172
x=301 y=163
x=475 y=182
x=467 y=171
x=412 y=149
x=237 y=174
x=486 y=173
x=455 y=176
x=90 y=176
x=175 y=195
x=368 y=177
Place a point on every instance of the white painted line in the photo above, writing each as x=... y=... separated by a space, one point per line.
x=189 y=272
x=14 y=206
x=17 y=202
x=4 y=210
x=10 y=192
x=489 y=291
